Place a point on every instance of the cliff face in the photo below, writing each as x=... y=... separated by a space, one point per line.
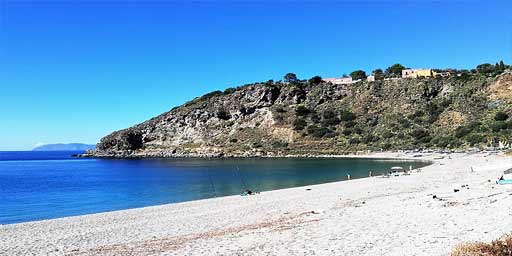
x=303 y=118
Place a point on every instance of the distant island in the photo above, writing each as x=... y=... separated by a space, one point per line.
x=65 y=147
x=397 y=108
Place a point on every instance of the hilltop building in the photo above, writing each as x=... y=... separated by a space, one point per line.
x=340 y=80
x=414 y=73
x=370 y=78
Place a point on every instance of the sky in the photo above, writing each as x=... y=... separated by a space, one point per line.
x=76 y=71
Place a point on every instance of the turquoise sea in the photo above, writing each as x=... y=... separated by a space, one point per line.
x=45 y=185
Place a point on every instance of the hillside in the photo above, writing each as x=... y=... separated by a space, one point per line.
x=306 y=118
x=64 y=147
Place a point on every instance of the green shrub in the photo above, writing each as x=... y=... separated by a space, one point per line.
x=445 y=141
x=329 y=114
x=229 y=90
x=387 y=134
x=435 y=109
x=462 y=131
x=474 y=139
x=358 y=130
x=280 y=109
x=302 y=110
x=330 y=118
x=299 y=124
x=347 y=115
x=369 y=139
x=257 y=145
x=501 y=116
x=498 y=126
x=386 y=146
x=330 y=134
x=279 y=118
x=315 y=80
x=350 y=124
x=419 y=133
x=417 y=113
x=354 y=141
x=317 y=131
x=425 y=139
x=223 y=114
x=315 y=118
x=279 y=144
x=347 y=131
x=404 y=122
x=211 y=94
x=417 y=117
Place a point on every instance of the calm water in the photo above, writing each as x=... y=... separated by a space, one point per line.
x=44 y=185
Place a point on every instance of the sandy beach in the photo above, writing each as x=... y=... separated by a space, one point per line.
x=371 y=216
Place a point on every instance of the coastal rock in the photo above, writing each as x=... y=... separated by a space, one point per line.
x=277 y=119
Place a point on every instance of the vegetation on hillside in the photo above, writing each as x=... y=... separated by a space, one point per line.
x=469 y=108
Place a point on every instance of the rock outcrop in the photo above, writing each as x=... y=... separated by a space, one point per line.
x=277 y=119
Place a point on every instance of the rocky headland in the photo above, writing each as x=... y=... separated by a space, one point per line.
x=311 y=118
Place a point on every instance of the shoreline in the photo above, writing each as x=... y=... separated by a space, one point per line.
x=386 y=157
x=212 y=225
x=366 y=154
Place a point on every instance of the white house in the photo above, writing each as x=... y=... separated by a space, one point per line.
x=339 y=80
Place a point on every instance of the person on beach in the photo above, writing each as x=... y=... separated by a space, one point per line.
x=247 y=192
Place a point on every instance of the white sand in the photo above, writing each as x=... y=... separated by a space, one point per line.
x=372 y=216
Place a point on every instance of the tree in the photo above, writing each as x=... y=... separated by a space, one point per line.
x=315 y=80
x=395 y=70
x=290 y=78
x=485 y=68
x=502 y=66
x=378 y=74
x=358 y=74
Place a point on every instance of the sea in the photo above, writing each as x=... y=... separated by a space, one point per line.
x=39 y=185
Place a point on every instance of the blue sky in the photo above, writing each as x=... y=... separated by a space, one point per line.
x=74 y=72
